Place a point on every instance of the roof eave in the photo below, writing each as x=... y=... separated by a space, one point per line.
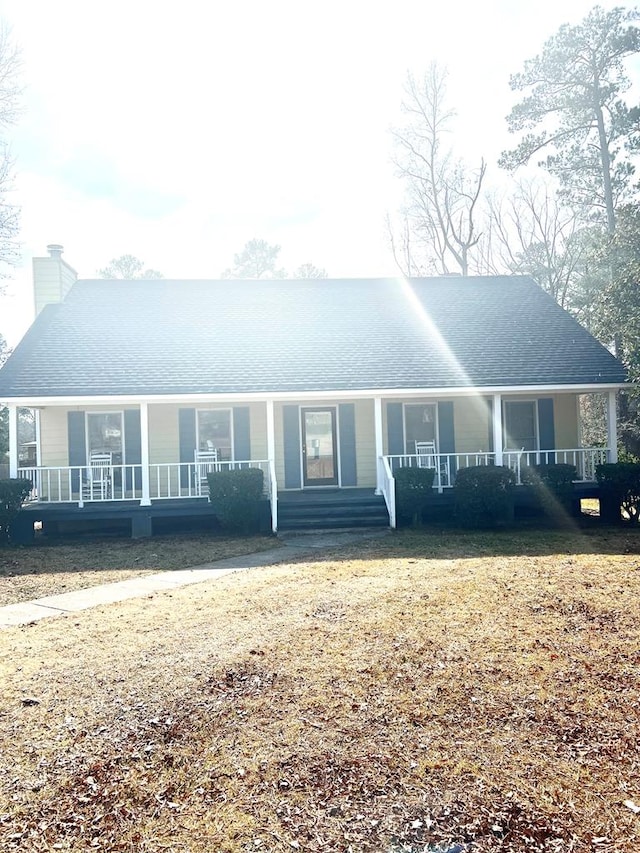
x=287 y=396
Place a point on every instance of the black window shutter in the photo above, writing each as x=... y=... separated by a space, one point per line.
x=291 y=429
x=133 y=444
x=446 y=432
x=546 y=428
x=241 y=433
x=77 y=444
x=348 y=471
x=187 y=440
x=395 y=429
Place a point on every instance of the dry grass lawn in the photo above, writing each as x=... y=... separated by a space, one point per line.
x=437 y=692
x=51 y=568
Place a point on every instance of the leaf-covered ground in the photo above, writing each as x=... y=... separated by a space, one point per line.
x=51 y=568
x=440 y=692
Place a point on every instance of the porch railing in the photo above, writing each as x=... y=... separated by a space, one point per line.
x=167 y=481
x=387 y=485
x=448 y=464
x=78 y=484
x=584 y=458
x=172 y=480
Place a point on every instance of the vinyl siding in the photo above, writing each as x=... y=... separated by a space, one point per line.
x=52 y=279
x=164 y=440
x=565 y=417
x=54 y=437
x=163 y=434
x=385 y=429
x=279 y=442
x=472 y=421
x=258 y=430
x=365 y=443
x=365 y=438
x=472 y=424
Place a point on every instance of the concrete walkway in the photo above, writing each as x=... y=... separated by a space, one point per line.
x=294 y=547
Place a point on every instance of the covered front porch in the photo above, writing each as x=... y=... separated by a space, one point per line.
x=516 y=442
x=151 y=453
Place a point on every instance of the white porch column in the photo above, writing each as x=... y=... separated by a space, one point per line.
x=377 y=421
x=13 y=441
x=612 y=427
x=144 y=454
x=271 y=456
x=271 y=432
x=498 y=439
x=38 y=444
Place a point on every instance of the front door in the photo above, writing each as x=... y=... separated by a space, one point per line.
x=320 y=463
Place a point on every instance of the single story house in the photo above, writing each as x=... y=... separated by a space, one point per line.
x=329 y=386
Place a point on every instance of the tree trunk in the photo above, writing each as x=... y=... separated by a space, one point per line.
x=605 y=159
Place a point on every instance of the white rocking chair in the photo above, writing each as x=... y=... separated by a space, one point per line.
x=206 y=462
x=98 y=484
x=514 y=461
x=426 y=453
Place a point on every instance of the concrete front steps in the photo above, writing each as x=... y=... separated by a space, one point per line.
x=330 y=509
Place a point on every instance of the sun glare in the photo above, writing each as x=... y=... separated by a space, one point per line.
x=432 y=332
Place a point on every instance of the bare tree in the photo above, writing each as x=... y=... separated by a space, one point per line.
x=309 y=270
x=530 y=231
x=443 y=194
x=259 y=259
x=128 y=267
x=401 y=247
x=10 y=91
x=5 y=352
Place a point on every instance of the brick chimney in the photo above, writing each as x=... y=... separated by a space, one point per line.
x=52 y=277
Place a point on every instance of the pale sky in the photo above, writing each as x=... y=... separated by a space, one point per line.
x=177 y=131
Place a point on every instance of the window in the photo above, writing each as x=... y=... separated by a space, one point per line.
x=27 y=438
x=214 y=432
x=419 y=425
x=105 y=435
x=520 y=425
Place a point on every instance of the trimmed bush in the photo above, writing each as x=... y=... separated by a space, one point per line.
x=12 y=494
x=236 y=496
x=413 y=487
x=619 y=489
x=483 y=496
x=553 y=486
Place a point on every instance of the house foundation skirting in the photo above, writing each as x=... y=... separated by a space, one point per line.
x=130 y=518
x=120 y=518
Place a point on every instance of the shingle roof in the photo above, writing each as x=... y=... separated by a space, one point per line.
x=199 y=337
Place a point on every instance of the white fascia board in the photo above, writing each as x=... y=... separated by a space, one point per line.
x=293 y=396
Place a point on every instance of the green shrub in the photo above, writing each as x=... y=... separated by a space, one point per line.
x=236 y=496
x=619 y=488
x=553 y=486
x=12 y=493
x=413 y=488
x=483 y=496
